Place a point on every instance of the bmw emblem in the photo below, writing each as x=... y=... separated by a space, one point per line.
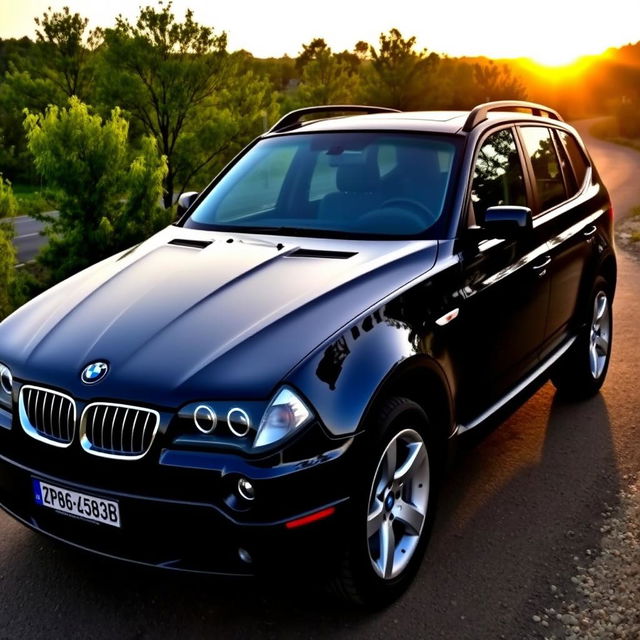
x=94 y=372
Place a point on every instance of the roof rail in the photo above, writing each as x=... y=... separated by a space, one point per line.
x=479 y=113
x=295 y=117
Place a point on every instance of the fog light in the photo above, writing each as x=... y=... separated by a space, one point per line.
x=245 y=556
x=205 y=418
x=246 y=490
x=6 y=379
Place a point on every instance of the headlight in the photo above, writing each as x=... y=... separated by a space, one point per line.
x=6 y=384
x=285 y=413
x=6 y=380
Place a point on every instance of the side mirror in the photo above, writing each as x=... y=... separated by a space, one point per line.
x=185 y=201
x=507 y=221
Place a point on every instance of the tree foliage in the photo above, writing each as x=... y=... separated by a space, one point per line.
x=397 y=75
x=496 y=82
x=177 y=80
x=36 y=74
x=326 y=78
x=310 y=52
x=7 y=250
x=110 y=192
x=62 y=35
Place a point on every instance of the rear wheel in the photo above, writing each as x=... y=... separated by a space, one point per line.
x=583 y=369
x=393 y=508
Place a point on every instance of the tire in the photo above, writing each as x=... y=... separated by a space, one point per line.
x=394 y=505
x=583 y=369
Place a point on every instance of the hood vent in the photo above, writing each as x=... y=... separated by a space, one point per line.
x=194 y=244
x=321 y=253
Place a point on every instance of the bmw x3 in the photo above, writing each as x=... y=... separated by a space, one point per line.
x=278 y=377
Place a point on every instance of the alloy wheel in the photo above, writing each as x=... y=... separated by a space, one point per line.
x=600 y=335
x=398 y=504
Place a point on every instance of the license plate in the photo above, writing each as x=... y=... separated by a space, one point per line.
x=76 y=504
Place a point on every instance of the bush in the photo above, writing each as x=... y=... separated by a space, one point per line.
x=109 y=193
x=8 y=208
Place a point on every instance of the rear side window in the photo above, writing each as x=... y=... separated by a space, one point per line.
x=546 y=166
x=578 y=161
x=498 y=177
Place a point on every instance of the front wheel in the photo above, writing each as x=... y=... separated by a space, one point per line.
x=583 y=369
x=393 y=508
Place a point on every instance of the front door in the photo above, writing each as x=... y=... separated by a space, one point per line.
x=505 y=285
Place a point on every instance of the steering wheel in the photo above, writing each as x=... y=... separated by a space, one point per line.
x=410 y=203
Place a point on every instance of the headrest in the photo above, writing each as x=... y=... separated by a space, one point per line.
x=358 y=178
x=417 y=160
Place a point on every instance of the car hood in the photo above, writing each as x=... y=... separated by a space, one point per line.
x=193 y=314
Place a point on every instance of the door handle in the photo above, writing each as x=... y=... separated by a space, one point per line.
x=590 y=231
x=543 y=264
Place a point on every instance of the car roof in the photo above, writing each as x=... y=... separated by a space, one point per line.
x=443 y=122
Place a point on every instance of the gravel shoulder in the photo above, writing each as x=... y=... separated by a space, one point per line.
x=605 y=602
x=628 y=234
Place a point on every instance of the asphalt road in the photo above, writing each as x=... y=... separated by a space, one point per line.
x=28 y=239
x=514 y=512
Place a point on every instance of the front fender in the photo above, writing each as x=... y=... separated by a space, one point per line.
x=342 y=379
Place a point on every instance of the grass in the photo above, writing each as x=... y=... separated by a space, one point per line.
x=32 y=199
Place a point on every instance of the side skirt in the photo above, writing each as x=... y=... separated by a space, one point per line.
x=530 y=379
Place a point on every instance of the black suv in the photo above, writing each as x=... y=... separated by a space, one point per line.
x=276 y=378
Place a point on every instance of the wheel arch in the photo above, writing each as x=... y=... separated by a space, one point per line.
x=422 y=380
x=609 y=271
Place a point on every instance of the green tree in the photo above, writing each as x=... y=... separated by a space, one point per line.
x=396 y=75
x=164 y=73
x=7 y=250
x=496 y=82
x=326 y=80
x=37 y=74
x=311 y=52
x=55 y=67
x=223 y=124
x=109 y=192
x=62 y=35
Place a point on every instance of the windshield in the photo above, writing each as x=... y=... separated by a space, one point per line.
x=387 y=184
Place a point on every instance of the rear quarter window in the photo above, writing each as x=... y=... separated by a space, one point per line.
x=577 y=157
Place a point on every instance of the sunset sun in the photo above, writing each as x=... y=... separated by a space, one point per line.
x=558 y=56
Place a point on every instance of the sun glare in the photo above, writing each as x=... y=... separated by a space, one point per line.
x=557 y=68
x=556 y=58
x=562 y=54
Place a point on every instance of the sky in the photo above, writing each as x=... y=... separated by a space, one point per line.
x=549 y=32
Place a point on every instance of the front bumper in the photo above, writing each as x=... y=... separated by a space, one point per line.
x=175 y=512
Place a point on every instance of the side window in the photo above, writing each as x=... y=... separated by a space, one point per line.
x=498 y=177
x=578 y=161
x=546 y=166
